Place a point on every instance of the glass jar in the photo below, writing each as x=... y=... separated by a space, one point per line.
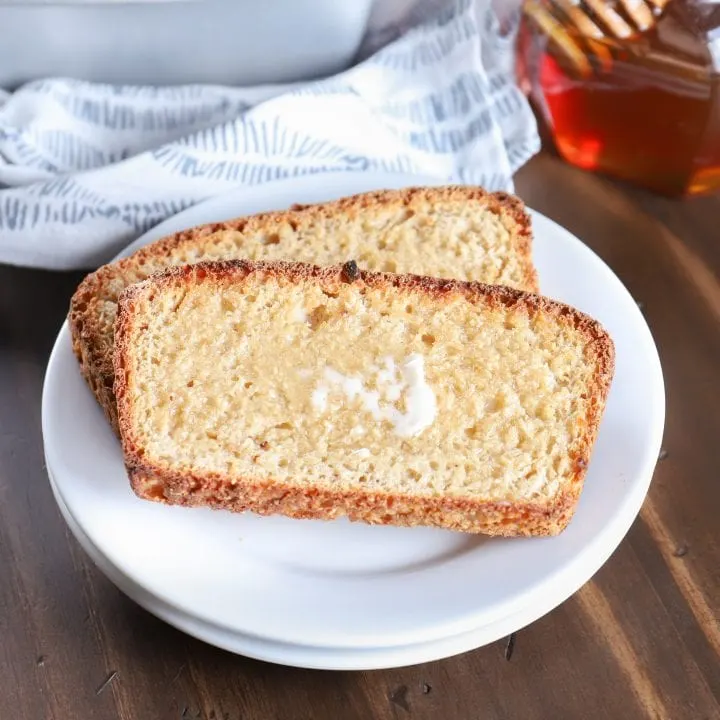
x=630 y=88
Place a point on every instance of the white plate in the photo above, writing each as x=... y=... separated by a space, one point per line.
x=316 y=658
x=351 y=586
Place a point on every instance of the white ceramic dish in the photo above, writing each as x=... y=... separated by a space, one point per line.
x=344 y=586
x=220 y=42
x=316 y=658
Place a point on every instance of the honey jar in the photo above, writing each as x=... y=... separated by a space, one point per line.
x=629 y=88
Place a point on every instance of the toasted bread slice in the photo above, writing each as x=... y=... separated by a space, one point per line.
x=326 y=392
x=450 y=232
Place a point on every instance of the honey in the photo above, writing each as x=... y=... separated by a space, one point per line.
x=643 y=107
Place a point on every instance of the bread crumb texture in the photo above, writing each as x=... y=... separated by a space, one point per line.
x=392 y=386
x=450 y=232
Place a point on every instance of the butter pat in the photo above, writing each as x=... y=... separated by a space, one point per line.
x=420 y=402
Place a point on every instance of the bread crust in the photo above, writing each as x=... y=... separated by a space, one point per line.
x=94 y=350
x=155 y=481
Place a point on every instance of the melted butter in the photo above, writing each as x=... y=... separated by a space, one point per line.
x=420 y=402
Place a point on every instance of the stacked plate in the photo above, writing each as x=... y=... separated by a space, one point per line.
x=339 y=595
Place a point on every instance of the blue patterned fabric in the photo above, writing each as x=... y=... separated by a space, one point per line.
x=86 y=168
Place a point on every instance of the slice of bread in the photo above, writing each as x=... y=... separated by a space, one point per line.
x=322 y=392
x=454 y=232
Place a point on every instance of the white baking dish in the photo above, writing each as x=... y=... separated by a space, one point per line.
x=238 y=42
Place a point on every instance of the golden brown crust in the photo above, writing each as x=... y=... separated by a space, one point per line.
x=94 y=351
x=320 y=503
x=154 y=481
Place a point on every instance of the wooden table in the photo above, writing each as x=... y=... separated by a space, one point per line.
x=641 y=640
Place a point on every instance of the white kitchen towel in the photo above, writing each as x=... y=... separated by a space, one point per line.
x=86 y=168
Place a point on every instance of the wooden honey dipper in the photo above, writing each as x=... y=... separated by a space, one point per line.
x=597 y=22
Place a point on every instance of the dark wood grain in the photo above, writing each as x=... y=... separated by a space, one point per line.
x=642 y=640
